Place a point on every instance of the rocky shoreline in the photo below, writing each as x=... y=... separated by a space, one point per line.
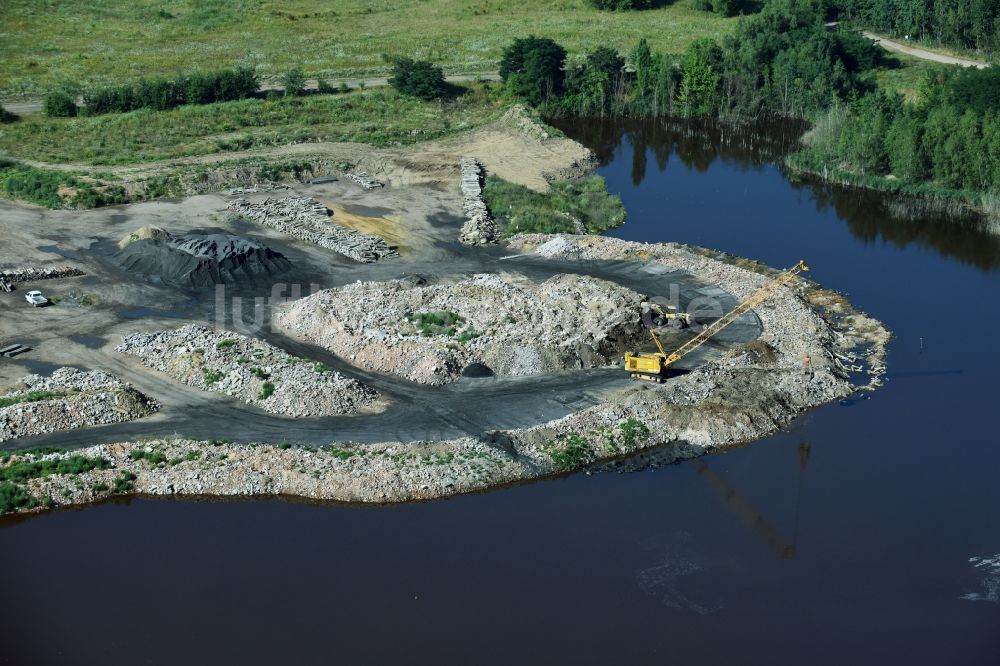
x=748 y=393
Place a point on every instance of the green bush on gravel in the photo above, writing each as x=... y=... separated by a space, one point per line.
x=585 y=201
x=572 y=452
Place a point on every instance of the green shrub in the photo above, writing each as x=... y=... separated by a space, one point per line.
x=440 y=322
x=59 y=104
x=324 y=87
x=321 y=368
x=571 y=451
x=42 y=186
x=467 y=335
x=225 y=344
x=259 y=373
x=222 y=85
x=31 y=396
x=212 y=376
x=632 y=432
x=621 y=5
x=266 y=391
x=585 y=201
x=124 y=483
x=36 y=469
x=13 y=497
x=294 y=82
x=152 y=457
x=418 y=78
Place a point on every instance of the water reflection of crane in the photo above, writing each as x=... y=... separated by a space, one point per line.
x=742 y=508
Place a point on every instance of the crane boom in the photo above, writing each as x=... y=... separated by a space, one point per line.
x=753 y=301
x=654 y=366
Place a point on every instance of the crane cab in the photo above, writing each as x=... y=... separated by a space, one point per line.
x=651 y=367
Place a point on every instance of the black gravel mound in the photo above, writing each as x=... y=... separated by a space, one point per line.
x=202 y=260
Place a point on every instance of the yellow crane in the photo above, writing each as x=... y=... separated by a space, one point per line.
x=654 y=366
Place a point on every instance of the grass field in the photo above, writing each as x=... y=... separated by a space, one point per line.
x=378 y=116
x=45 y=43
x=905 y=74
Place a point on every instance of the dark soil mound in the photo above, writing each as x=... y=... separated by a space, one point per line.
x=202 y=260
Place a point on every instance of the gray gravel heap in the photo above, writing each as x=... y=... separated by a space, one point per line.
x=72 y=399
x=240 y=366
x=309 y=220
x=510 y=324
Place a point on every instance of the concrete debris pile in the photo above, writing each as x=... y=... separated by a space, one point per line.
x=363 y=179
x=69 y=399
x=309 y=220
x=249 y=369
x=30 y=274
x=507 y=323
x=199 y=261
x=258 y=188
x=793 y=326
x=480 y=229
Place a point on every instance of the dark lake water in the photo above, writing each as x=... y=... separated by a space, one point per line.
x=849 y=538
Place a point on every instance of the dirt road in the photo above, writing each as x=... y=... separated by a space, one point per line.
x=890 y=45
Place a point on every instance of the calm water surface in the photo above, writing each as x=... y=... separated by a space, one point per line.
x=846 y=539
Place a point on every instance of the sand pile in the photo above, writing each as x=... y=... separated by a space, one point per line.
x=507 y=323
x=199 y=260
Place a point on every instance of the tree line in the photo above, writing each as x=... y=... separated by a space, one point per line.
x=237 y=82
x=782 y=61
x=951 y=139
x=785 y=63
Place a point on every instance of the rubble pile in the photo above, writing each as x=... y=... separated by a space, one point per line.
x=798 y=322
x=31 y=274
x=258 y=188
x=480 y=229
x=309 y=220
x=249 y=369
x=511 y=325
x=363 y=179
x=69 y=399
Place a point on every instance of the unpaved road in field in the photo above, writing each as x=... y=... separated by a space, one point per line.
x=891 y=45
x=512 y=147
x=35 y=105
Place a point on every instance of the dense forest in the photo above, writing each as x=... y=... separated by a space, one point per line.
x=964 y=24
x=785 y=62
x=779 y=62
x=950 y=140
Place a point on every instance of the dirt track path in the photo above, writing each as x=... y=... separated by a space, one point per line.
x=891 y=45
x=512 y=147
